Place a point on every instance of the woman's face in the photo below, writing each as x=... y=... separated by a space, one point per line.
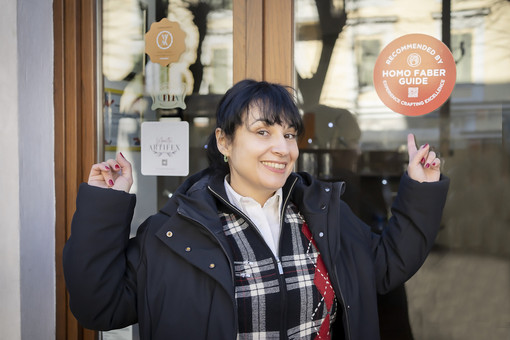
x=261 y=156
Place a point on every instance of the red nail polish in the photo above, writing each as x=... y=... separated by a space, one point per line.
x=427 y=165
x=107 y=167
x=117 y=166
x=422 y=161
x=110 y=182
x=434 y=164
x=425 y=145
x=122 y=155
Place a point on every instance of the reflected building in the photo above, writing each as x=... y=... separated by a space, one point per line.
x=337 y=44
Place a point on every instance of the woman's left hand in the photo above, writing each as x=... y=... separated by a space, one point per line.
x=423 y=163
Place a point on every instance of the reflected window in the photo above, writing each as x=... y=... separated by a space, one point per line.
x=462 y=54
x=366 y=56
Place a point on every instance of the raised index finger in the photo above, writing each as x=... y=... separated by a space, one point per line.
x=412 y=148
x=125 y=165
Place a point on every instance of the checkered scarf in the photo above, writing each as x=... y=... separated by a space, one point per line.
x=297 y=304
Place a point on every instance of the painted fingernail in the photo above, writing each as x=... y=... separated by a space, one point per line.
x=117 y=166
x=122 y=155
x=422 y=161
x=107 y=167
x=434 y=164
x=110 y=182
x=427 y=165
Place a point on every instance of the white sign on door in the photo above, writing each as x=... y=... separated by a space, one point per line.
x=165 y=148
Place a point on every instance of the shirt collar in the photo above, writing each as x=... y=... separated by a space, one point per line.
x=238 y=200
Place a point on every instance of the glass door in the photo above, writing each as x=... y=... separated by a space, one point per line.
x=136 y=89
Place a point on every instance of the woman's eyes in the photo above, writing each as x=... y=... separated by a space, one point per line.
x=263 y=132
x=286 y=135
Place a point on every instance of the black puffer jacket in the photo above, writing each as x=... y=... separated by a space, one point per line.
x=175 y=277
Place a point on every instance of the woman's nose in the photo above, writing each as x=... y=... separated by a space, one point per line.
x=280 y=145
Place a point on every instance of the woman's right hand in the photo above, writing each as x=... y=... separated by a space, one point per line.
x=113 y=173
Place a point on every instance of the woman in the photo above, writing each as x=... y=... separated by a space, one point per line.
x=246 y=248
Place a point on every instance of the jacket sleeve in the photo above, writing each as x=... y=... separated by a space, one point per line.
x=100 y=279
x=406 y=241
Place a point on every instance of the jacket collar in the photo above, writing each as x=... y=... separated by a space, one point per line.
x=217 y=187
x=197 y=194
x=192 y=200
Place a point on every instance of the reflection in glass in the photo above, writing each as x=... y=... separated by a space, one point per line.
x=463 y=289
x=123 y=43
x=137 y=90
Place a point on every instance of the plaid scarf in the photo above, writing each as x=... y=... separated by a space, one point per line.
x=297 y=304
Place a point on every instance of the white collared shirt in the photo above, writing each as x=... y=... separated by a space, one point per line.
x=266 y=218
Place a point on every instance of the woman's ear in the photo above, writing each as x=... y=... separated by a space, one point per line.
x=222 y=142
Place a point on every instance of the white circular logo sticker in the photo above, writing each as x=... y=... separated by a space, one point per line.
x=164 y=40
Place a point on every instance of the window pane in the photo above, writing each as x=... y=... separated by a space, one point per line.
x=137 y=90
x=463 y=289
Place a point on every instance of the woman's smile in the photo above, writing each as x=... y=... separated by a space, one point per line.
x=274 y=166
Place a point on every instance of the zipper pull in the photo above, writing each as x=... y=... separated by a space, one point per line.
x=280 y=267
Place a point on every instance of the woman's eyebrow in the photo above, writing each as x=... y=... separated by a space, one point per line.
x=288 y=126
x=266 y=122
x=262 y=120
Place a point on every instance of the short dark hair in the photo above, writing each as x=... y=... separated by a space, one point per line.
x=276 y=103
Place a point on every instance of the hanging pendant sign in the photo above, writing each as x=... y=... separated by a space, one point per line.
x=164 y=42
x=414 y=74
x=169 y=98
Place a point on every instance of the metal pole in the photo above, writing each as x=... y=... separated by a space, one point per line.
x=444 y=113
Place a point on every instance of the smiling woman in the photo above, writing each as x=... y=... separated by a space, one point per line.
x=251 y=101
x=260 y=156
x=247 y=245
x=258 y=138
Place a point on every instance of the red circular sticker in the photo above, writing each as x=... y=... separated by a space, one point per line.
x=414 y=74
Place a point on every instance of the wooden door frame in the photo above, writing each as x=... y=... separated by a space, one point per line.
x=264 y=40
x=75 y=132
x=263 y=50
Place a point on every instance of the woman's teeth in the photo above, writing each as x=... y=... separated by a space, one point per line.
x=274 y=165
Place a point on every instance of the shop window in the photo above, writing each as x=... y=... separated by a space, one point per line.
x=135 y=89
x=353 y=137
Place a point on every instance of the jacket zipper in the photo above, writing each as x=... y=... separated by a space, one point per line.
x=242 y=214
x=283 y=331
x=282 y=211
x=275 y=260
x=283 y=288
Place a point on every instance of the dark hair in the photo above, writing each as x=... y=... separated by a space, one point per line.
x=276 y=104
